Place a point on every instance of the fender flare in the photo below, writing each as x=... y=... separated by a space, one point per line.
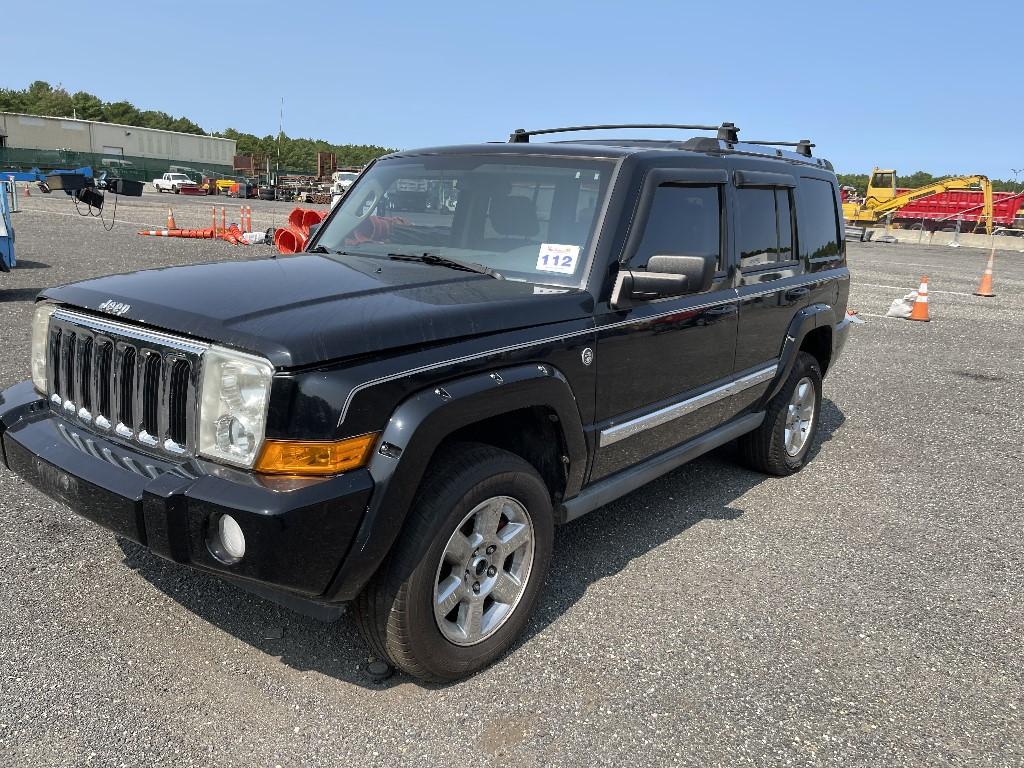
x=418 y=426
x=803 y=322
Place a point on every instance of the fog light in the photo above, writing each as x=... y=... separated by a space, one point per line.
x=226 y=540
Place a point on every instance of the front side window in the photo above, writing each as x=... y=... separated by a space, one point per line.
x=683 y=221
x=529 y=218
x=765 y=228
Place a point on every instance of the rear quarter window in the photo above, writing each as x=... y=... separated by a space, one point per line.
x=818 y=222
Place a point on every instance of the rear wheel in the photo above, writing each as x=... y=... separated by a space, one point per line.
x=462 y=580
x=781 y=444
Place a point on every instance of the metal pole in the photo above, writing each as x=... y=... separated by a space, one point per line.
x=956 y=233
x=13 y=186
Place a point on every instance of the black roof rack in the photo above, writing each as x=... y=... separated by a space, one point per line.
x=726 y=131
x=803 y=147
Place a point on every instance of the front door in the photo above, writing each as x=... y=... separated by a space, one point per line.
x=657 y=361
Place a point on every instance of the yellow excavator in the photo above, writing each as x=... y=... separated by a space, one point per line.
x=883 y=198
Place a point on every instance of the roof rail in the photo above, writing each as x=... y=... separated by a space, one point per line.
x=726 y=131
x=803 y=147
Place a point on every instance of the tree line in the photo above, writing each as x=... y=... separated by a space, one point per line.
x=919 y=179
x=298 y=155
x=41 y=98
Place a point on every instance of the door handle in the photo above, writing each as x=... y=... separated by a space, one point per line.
x=796 y=293
x=716 y=311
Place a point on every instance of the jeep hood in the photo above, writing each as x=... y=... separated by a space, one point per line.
x=309 y=309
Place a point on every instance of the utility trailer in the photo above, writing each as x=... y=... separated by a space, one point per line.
x=943 y=209
x=938 y=205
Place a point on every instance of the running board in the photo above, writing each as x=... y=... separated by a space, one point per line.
x=611 y=488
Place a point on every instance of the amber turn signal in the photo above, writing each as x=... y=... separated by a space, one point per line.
x=318 y=457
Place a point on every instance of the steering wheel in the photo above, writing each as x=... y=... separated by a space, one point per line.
x=372 y=196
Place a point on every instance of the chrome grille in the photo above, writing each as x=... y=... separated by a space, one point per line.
x=139 y=385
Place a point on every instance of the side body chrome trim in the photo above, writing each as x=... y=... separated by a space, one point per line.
x=614 y=434
x=594 y=329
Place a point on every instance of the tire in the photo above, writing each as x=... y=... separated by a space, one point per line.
x=462 y=490
x=765 y=449
x=175 y=190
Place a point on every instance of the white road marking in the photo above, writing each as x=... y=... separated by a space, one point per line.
x=908 y=290
x=95 y=218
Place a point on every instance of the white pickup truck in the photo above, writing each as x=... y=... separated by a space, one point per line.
x=172 y=182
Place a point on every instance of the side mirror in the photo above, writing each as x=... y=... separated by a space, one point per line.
x=664 y=277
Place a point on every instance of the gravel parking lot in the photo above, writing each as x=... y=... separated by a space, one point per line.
x=867 y=611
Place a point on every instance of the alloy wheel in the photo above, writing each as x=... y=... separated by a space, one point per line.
x=484 y=570
x=800 y=416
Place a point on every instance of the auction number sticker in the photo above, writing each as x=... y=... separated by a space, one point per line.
x=554 y=257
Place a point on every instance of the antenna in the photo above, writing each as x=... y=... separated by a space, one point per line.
x=280 y=132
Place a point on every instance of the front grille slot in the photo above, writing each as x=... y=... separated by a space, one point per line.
x=126 y=405
x=53 y=364
x=150 y=394
x=137 y=385
x=177 y=420
x=67 y=360
x=102 y=378
x=83 y=369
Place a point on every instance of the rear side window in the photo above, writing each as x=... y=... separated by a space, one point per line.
x=819 y=220
x=684 y=221
x=765 y=229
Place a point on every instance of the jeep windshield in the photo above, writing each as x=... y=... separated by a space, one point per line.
x=528 y=218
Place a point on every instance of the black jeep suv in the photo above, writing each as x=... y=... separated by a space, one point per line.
x=397 y=417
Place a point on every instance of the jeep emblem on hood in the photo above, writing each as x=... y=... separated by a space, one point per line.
x=114 y=307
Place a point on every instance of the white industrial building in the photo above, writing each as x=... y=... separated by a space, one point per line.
x=19 y=131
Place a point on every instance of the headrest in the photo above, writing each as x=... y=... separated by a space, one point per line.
x=514 y=215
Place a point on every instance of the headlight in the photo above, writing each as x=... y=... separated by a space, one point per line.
x=40 y=341
x=233 y=409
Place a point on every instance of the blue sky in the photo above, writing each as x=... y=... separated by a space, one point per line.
x=894 y=84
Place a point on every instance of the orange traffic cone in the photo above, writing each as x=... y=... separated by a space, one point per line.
x=920 y=309
x=170 y=219
x=26 y=193
x=985 y=286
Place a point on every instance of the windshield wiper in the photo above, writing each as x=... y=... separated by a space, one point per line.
x=444 y=261
x=335 y=252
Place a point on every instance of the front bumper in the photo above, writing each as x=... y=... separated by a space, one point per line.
x=297 y=532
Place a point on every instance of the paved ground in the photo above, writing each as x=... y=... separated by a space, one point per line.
x=865 y=612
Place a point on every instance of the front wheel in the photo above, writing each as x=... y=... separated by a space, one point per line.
x=781 y=444
x=464 y=576
x=175 y=190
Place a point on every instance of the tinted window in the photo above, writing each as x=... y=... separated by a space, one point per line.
x=765 y=229
x=884 y=180
x=784 y=221
x=758 y=236
x=819 y=220
x=684 y=221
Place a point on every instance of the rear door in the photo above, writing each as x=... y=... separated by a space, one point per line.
x=656 y=356
x=772 y=287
